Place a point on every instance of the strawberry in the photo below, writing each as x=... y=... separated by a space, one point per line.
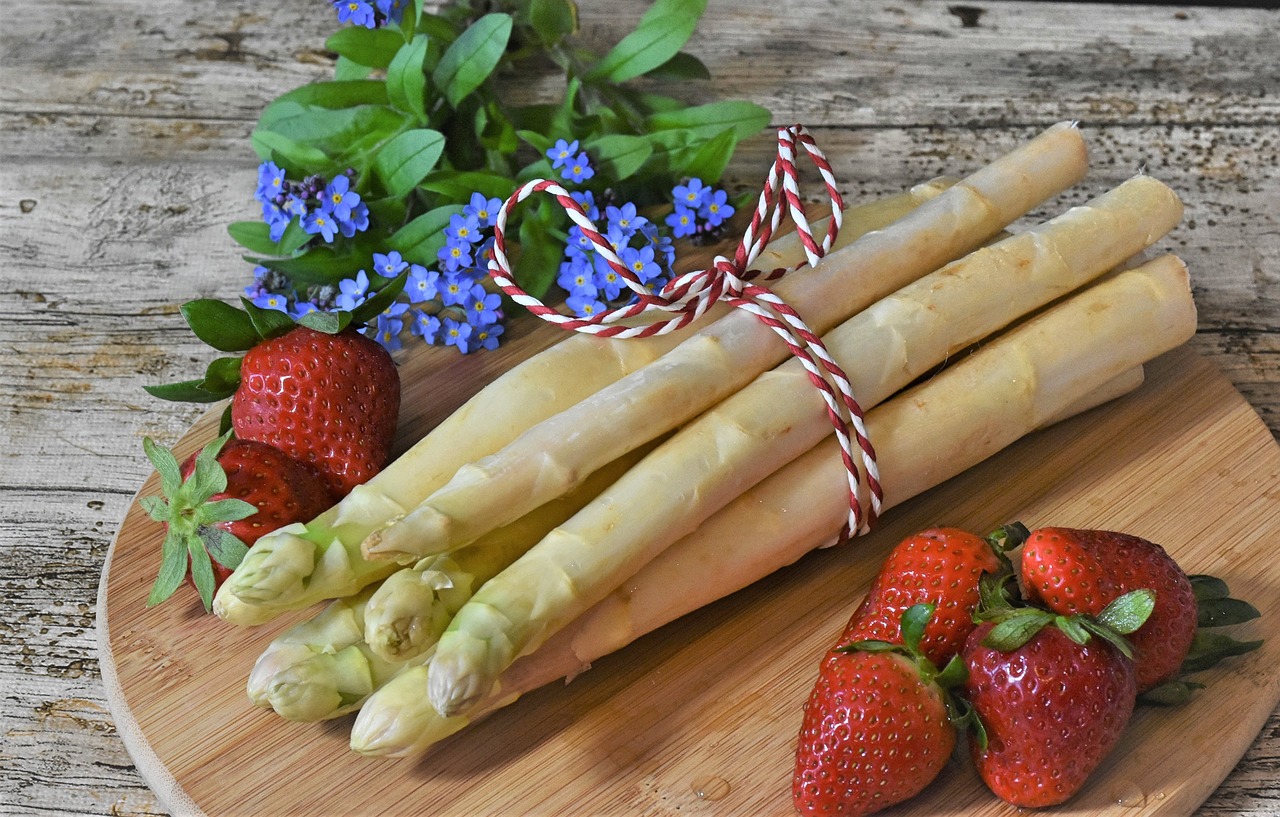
x=1051 y=699
x=1082 y=571
x=940 y=566
x=219 y=502
x=876 y=729
x=328 y=399
x=316 y=389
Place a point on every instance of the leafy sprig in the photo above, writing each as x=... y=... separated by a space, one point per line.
x=418 y=116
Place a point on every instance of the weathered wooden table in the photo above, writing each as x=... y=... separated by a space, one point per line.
x=124 y=134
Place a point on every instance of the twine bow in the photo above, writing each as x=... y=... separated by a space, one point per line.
x=688 y=296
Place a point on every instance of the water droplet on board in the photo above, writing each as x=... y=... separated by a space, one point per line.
x=1128 y=795
x=711 y=788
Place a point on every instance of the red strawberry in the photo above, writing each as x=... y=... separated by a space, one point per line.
x=219 y=502
x=941 y=567
x=1082 y=571
x=876 y=728
x=1051 y=710
x=328 y=399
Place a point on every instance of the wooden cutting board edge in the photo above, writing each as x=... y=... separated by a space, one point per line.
x=172 y=795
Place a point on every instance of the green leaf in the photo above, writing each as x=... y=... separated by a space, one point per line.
x=331 y=323
x=155 y=507
x=661 y=33
x=682 y=66
x=1207 y=649
x=268 y=323
x=222 y=375
x=471 y=58
x=166 y=466
x=406 y=80
x=1126 y=613
x=1224 y=612
x=1016 y=630
x=255 y=236
x=337 y=133
x=324 y=95
x=186 y=391
x=220 y=325
x=207 y=478
x=1170 y=693
x=345 y=69
x=538 y=264
x=745 y=118
x=619 y=154
x=407 y=159
x=226 y=510
x=458 y=185
x=371 y=47
x=377 y=303
x=553 y=20
x=420 y=239
x=1206 y=587
x=202 y=572
x=223 y=547
x=709 y=162
x=173 y=567
x=296 y=158
x=914 y=619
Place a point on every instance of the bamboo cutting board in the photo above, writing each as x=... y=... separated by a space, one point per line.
x=701 y=717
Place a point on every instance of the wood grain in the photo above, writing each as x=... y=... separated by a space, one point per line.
x=124 y=129
x=711 y=703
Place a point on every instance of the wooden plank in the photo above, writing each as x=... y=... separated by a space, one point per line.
x=125 y=126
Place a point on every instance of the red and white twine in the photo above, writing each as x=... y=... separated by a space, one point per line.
x=688 y=296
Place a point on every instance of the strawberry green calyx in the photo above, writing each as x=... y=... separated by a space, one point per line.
x=1215 y=608
x=192 y=536
x=914 y=620
x=1015 y=626
x=228 y=329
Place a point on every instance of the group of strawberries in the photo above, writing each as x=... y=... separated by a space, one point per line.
x=313 y=413
x=1042 y=665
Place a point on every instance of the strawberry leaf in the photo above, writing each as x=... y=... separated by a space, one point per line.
x=268 y=323
x=1207 y=649
x=173 y=566
x=1017 y=629
x=207 y=478
x=202 y=572
x=186 y=391
x=376 y=304
x=220 y=325
x=1170 y=693
x=225 y=510
x=1125 y=614
x=1208 y=587
x=331 y=323
x=914 y=620
x=166 y=465
x=223 y=547
x=1223 y=612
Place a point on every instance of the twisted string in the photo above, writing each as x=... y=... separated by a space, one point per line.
x=687 y=297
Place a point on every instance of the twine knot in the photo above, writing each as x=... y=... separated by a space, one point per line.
x=688 y=296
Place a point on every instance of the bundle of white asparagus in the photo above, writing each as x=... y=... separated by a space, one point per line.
x=601 y=489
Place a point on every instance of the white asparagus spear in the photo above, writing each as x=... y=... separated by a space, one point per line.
x=399 y=721
x=780 y=416
x=968 y=412
x=553 y=456
x=302 y=564
x=411 y=608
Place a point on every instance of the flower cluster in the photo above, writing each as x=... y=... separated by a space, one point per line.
x=699 y=209
x=369 y=13
x=593 y=286
x=322 y=207
x=450 y=306
x=453 y=304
